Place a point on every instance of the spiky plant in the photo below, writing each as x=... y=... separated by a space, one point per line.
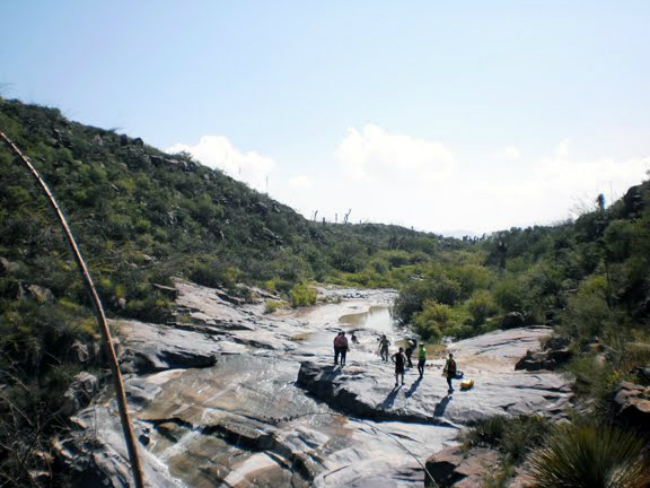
x=592 y=457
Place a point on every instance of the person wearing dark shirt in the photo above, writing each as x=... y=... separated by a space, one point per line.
x=400 y=361
x=383 y=348
x=422 y=359
x=450 y=371
x=343 y=344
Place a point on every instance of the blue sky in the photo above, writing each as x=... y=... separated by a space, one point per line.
x=446 y=116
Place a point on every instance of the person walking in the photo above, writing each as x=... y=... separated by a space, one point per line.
x=343 y=344
x=383 y=347
x=400 y=361
x=422 y=359
x=450 y=371
x=337 y=347
x=409 y=352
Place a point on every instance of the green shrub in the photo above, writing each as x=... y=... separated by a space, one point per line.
x=481 y=306
x=510 y=295
x=592 y=456
x=271 y=306
x=515 y=437
x=303 y=296
x=437 y=320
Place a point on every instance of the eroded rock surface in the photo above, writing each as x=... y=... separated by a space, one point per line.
x=216 y=402
x=368 y=390
x=633 y=404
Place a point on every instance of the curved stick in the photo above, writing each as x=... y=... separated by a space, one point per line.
x=131 y=445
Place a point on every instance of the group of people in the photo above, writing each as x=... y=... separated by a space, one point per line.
x=402 y=358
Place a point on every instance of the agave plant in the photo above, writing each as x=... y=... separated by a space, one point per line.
x=592 y=457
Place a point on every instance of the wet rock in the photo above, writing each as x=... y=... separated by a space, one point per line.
x=80 y=393
x=453 y=467
x=95 y=453
x=632 y=403
x=513 y=320
x=245 y=422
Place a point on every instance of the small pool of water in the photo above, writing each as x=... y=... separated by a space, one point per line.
x=377 y=318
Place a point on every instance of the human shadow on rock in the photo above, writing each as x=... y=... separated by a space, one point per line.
x=441 y=406
x=390 y=399
x=414 y=387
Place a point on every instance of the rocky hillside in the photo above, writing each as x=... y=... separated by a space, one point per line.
x=142 y=217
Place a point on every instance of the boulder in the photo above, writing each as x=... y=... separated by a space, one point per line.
x=632 y=404
x=80 y=393
x=40 y=293
x=643 y=375
x=170 y=291
x=453 y=467
x=513 y=320
x=7 y=267
x=549 y=359
x=556 y=343
x=79 y=353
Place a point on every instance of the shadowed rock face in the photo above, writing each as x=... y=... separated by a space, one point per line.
x=233 y=397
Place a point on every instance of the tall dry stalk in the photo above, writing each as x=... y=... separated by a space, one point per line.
x=131 y=445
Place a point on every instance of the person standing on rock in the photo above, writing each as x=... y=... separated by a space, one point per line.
x=343 y=344
x=409 y=352
x=422 y=359
x=337 y=347
x=383 y=347
x=450 y=371
x=400 y=361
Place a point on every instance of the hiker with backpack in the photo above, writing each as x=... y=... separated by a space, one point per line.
x=450 y=371
x=337 y=347
x=344 y=346
x=409 y=352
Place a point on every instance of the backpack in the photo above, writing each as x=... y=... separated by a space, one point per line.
x=451 y=367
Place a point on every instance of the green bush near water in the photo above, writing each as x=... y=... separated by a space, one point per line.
x=303 y=296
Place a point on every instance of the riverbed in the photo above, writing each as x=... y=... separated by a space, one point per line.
x=233 y=397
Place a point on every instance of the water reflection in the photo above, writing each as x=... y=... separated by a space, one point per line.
x=378 y=318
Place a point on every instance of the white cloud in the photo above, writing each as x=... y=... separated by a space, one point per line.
x=562 y=150
x=218 y=152
x=372 y=154
x=400 y=179
x=302 y=182
x=564 y=180
x=511 y=153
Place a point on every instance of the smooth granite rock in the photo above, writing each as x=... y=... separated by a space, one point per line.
x=229 y=396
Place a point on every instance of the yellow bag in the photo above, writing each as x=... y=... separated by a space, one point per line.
x=466 y=384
